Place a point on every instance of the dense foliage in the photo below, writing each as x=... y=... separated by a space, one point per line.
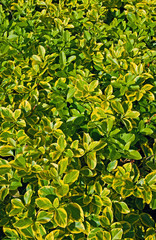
x=78 y=118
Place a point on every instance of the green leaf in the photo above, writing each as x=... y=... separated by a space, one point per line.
x=97 y=201
x=44 y=217
x=62 y=165
x=60 y=217
x=105 y=192
x=106 y=201
x=100 y=145
x=71 y=92
x=153 y=202
x=4 y=191
x=151 y=178
x=41 y=51
x=147 y=194
x=58 y=234
x=87 y=35
x=104 y=221
x=117 y=107
x=27 y=232
x=126 y=226
x=61 y=144
x=45 y=191
x=91 y=160
x=77 y=111
x=86 y=172
x=110 y=123
x=27 y=196
x=147 y=220
x=76 y=227
x=106 y=235
x=21 y=123
x=50 y=236
x=15 y=212
x=112 y=165
x=71 y=177
x=4 y=168
x=132 y=114
x=62 y=190
x=122 y=207
x=17 y=113
x=62 y=60
x=96 y=234
x=93 y=85
x=71 y=58
x=55 y=154
x=6 y=114
x=147 y=87
x=108 y=179
x=113 y=60
x=56 y=203
x=6 y=151
x=11 y=233
x=43 y=203
x=75 y=212
x=25 y=105
x=23 y=223
x=133 y=154
x=75 y=144
x=19 y=162
x=146 y=131
x=98 y=188
x=36 y=58
x=109 y=90
x=86 y=139
x=108 y=213
x=12 y=142
x=12 y=36
x=92 y=145
x=116 y=233
x=17 y=203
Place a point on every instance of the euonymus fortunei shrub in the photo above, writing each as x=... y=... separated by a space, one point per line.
x=77 y=119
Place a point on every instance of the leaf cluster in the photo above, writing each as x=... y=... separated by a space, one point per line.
x=77 y=119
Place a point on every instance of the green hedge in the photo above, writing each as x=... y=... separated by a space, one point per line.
x=77 y=119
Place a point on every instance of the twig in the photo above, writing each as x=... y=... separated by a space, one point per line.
x=127 y=160
x=149 y=120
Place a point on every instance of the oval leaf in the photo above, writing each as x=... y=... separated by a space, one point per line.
x=60 y=217
x=43 y=203
x=23 y=223
x=71 y=177
x=117 y=107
